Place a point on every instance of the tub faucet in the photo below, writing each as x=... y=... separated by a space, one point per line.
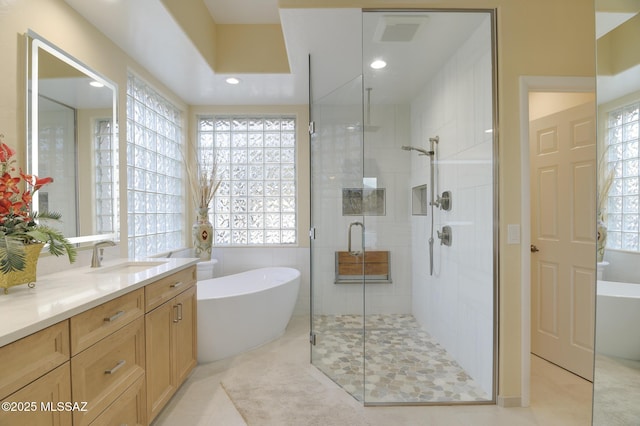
x=96 y=259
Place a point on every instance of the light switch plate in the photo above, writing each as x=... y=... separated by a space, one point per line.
x=513 y=234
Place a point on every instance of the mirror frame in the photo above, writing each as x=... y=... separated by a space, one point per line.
x=34 y=43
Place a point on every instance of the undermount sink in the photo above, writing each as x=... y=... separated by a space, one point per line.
x=129 y=267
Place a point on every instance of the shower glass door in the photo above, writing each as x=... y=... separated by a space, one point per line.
x=336 y=276
x=403 y=202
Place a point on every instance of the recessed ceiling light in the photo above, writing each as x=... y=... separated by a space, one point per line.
x=232 y=80
x=96 y=84
x=378 y=64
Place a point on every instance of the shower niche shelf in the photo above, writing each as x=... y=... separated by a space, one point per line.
x=376 y=266
x=419 y=200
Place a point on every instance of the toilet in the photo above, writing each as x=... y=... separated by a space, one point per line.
x=205 y=269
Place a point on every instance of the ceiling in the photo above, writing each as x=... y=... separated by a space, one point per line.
x=610 y=87
x=146 y=31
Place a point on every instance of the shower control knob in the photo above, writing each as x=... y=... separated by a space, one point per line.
x=445 y=236
x=534 y=249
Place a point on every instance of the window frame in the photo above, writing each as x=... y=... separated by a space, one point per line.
x=294 y=180
x=615 y=160
x=176 y=209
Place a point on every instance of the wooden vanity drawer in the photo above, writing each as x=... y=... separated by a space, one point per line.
x=129 y=409
x=38 y=403
x=101 y=373
x=95 y=324
x=24 y=360
x=166 y=288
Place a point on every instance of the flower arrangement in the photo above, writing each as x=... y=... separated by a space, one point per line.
x=19 y=225
x=206 y=184
x=204 y=180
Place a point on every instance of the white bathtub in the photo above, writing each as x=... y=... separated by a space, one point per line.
x=618 y=319
x=243 y=311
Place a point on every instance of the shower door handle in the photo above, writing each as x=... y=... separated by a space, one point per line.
x=351 y=252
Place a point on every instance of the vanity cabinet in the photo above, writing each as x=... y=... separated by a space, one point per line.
x=35 y=371
x=170 y=332
x=117 y=363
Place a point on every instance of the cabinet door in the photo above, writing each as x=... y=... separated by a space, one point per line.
x=185 y=334
x=46 y=392
x=161 y=384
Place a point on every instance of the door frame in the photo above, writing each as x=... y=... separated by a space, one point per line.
x=534 y=84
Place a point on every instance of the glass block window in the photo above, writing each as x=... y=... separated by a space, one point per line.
x=624 y=196
x=155 y=200
x=106 y=212
x=256 y=201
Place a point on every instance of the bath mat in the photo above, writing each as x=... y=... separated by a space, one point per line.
x=615 y=380
x=288 y=395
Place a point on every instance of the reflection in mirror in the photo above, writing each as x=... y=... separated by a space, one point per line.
x=72 y=137
x=617 y=360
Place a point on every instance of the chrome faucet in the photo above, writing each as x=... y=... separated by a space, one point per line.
x=96 y=259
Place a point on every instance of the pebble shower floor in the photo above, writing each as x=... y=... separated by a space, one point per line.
x=403 y=363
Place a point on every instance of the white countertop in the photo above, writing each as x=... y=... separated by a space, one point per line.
x=59 y=296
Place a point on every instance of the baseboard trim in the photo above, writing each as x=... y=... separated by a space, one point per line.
x=509 y=401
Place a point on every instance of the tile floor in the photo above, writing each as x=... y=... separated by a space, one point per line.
x=557 y=396
x=403 y=364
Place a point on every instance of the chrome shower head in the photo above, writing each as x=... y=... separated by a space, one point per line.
x=420 y=150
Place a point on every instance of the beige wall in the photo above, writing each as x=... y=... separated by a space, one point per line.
x=542 y=37
x=55 y=21
x=546 y=103
x=61 y=25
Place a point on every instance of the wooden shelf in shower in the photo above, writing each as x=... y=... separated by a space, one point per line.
x=372 y=266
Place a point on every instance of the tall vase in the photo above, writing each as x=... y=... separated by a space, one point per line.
x=202 y=233
x=601 y=241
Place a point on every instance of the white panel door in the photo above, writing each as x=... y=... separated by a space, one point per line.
x=563 y=223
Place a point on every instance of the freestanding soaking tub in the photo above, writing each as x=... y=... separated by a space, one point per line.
x=245 y=310
x=618 y=319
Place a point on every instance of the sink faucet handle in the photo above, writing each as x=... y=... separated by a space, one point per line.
x=98 y=252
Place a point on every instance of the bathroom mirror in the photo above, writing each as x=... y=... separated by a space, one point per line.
x=72 y=137
x=617 y=359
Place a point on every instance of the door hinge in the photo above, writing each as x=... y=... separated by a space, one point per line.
x=312 y=127
x=312 y=233
x=312 y=338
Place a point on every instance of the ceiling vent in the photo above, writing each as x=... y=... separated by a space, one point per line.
x=398 y=28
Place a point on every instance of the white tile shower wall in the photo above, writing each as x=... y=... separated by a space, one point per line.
x=232 y=260
x=340 y=165
x=456 y=304
x=57 y=158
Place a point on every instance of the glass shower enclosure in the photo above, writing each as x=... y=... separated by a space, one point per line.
x=403 y=202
